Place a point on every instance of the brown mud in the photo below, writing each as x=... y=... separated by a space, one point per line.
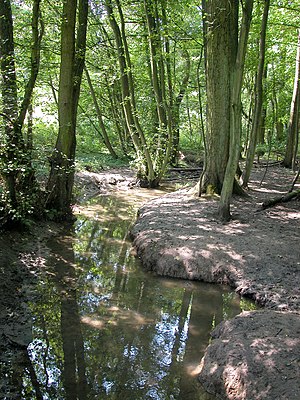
x=256 y=355
x=253 y=356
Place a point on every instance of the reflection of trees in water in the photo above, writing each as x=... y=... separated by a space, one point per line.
x=149 y=350
x=122 y=333
x=57 y=351
x=74 y=369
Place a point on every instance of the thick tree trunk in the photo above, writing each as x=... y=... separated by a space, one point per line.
x=9 y=101
x=17 y=170
x=235 y=120
x=221 y=27
x=60 y=183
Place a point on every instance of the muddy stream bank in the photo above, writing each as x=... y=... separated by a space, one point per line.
x=81 y=319
x=256 y=355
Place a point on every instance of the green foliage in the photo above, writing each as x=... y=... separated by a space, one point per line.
x=19 y=210
x=95 y=162
x=182 y=30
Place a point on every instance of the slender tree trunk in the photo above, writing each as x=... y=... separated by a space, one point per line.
x=163 y=131
x=261 y=134
x=37 y=35
x=100 y=117
x=148 y=176
x=118 y=115
x=156 y=72
x=29 y=135
x=61 y=179
x=176 y=109
x=293 y=127
x=258 y=97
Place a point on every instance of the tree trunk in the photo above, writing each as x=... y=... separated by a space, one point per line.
x=10 y=102
x=235 y=120
x=176 y=109
x=221 y=26
x=156 y=72
x=100 y=117
x=17 y=170
x=61 y=179
x=258 y=97
x=293 y=127
x=146 y=171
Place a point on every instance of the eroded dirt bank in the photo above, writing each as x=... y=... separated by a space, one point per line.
x=253 y=356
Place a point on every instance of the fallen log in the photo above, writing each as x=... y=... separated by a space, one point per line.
x=280 y=199
x=184 y=169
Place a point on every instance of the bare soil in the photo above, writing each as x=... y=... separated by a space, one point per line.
x=255 y=355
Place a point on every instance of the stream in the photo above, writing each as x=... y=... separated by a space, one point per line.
x=105 y=329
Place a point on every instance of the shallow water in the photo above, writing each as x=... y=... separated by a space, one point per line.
x=105 y=329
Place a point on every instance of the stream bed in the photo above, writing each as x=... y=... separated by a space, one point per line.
x=102 y=328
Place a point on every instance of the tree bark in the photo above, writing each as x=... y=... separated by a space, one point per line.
x=37 y=35
x=221 y=24
x=158 y=80
x=146 y=171
x=9 y=101
x=175 y=107
x=235 y=115
x=293 y=127
x=61 y=179
x=258 y=97
x=17 y=170
x=100 y=117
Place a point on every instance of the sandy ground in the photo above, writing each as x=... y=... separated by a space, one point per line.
x=256 y=355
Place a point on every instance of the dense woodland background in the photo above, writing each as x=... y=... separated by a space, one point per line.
x=155 y=83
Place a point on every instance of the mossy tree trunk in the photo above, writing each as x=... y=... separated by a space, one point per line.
x=61 y=179
x=16 y=168
x=225 y=52
x=221 y=27
x=10 y=101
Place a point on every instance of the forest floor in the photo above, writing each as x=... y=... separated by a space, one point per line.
x=253 y=356
x=256 y=355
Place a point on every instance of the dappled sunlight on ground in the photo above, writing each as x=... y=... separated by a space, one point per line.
x=254 y=356
x=257 y=251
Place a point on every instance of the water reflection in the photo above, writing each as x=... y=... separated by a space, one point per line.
x=105 y=329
